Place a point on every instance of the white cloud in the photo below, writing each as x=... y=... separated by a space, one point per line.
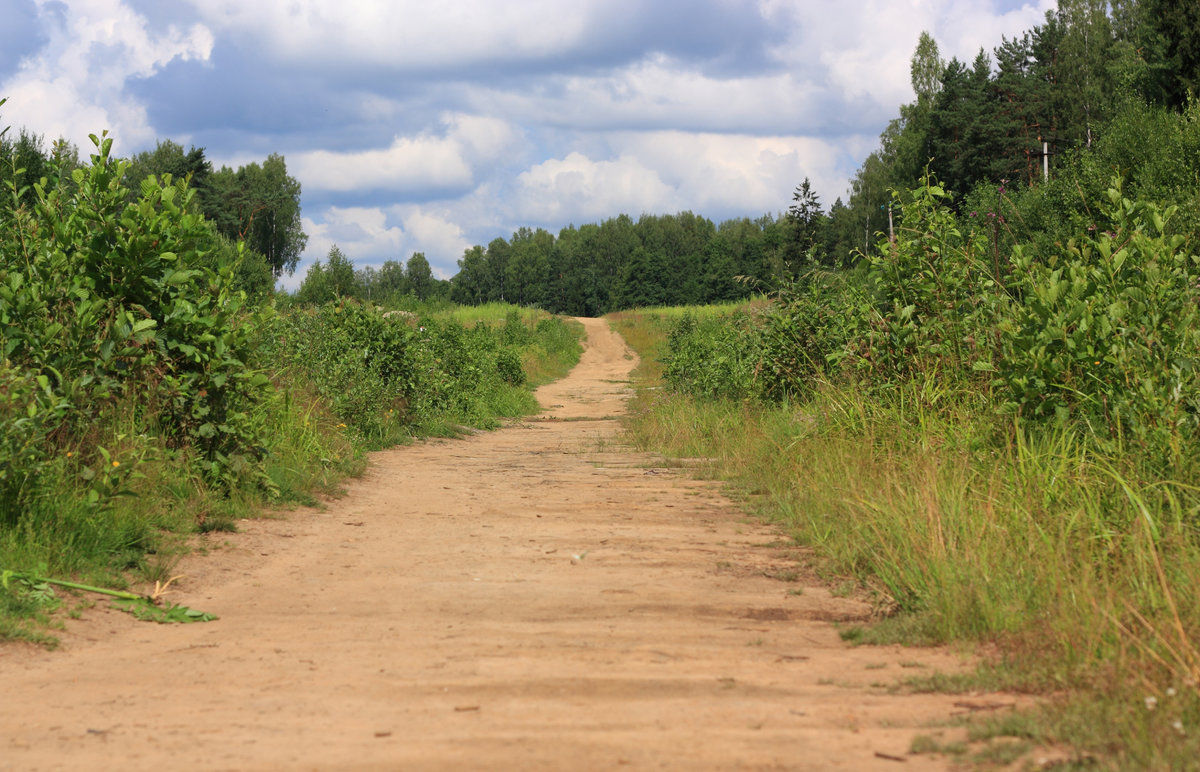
x=75 y=85
x=410 y=34
x=442 y=241
x=663 y=93
x=424 y=162
x=580 y=189
x=408 y=164
x=735 y=173
x=665 y=171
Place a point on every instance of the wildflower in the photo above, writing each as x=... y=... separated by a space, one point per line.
x=1151 y=703
x=341 y=426
x=70 y=454
x=116 y=464
x=1177 y=725
x=1170 y=691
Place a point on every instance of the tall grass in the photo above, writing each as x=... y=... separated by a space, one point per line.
x=707 y=311
x=488 y=313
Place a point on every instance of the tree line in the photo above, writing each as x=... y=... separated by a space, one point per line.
x=595 y=268
x=671 y=259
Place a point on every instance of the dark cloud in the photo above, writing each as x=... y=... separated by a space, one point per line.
x=221 y=103
x=724 y=39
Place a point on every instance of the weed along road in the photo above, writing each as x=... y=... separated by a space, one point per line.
x=538 y=597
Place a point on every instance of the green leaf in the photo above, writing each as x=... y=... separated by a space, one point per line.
x=181 y=276
x=168 y=613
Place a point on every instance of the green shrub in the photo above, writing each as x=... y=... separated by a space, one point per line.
x=1106 y=332
x=363 y=364
x=713 y=357
x=384 y=375
x=928 y=294
x=30 y=413
x=105 y=303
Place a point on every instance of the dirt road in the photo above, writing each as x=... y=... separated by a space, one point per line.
x=533 y=598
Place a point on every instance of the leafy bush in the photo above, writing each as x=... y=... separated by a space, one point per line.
x=104 y=303
x=1101 y=333
x=362 y=363
x=30 y=413
x=928 y=291
x=713 y=357
x=385 y=373
x=1106 y=331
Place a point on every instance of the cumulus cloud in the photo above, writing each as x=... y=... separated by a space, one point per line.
x=717 y=175
x=442 y=241
x=75 y=84
x=661 y=92
x=471 y=35
x=577 y=187
x=728 y=174
x=427 y=161
x=410 y=34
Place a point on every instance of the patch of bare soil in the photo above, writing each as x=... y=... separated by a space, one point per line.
x=536 y=598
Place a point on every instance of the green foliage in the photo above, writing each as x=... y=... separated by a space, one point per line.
x=362 y=364
x=334 y=280
x=419 y=276
x=104 y=302
x=386 y=374
x=1099 y=333
x=712 y=357
x=257 y=205
x=807 y=224
x=127 y=381
x=30 y=413
x=260 y=205
x=803 y=334
x=926 y=289
x=167 y=613
x=1106 y=332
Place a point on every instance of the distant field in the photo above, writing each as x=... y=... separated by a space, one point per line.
x=490 y=313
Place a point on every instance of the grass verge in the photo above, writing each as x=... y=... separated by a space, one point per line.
x=1074 y=570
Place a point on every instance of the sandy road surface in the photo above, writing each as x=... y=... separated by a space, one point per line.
x=532 y=598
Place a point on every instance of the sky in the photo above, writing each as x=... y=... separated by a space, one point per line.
x=418 y=126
